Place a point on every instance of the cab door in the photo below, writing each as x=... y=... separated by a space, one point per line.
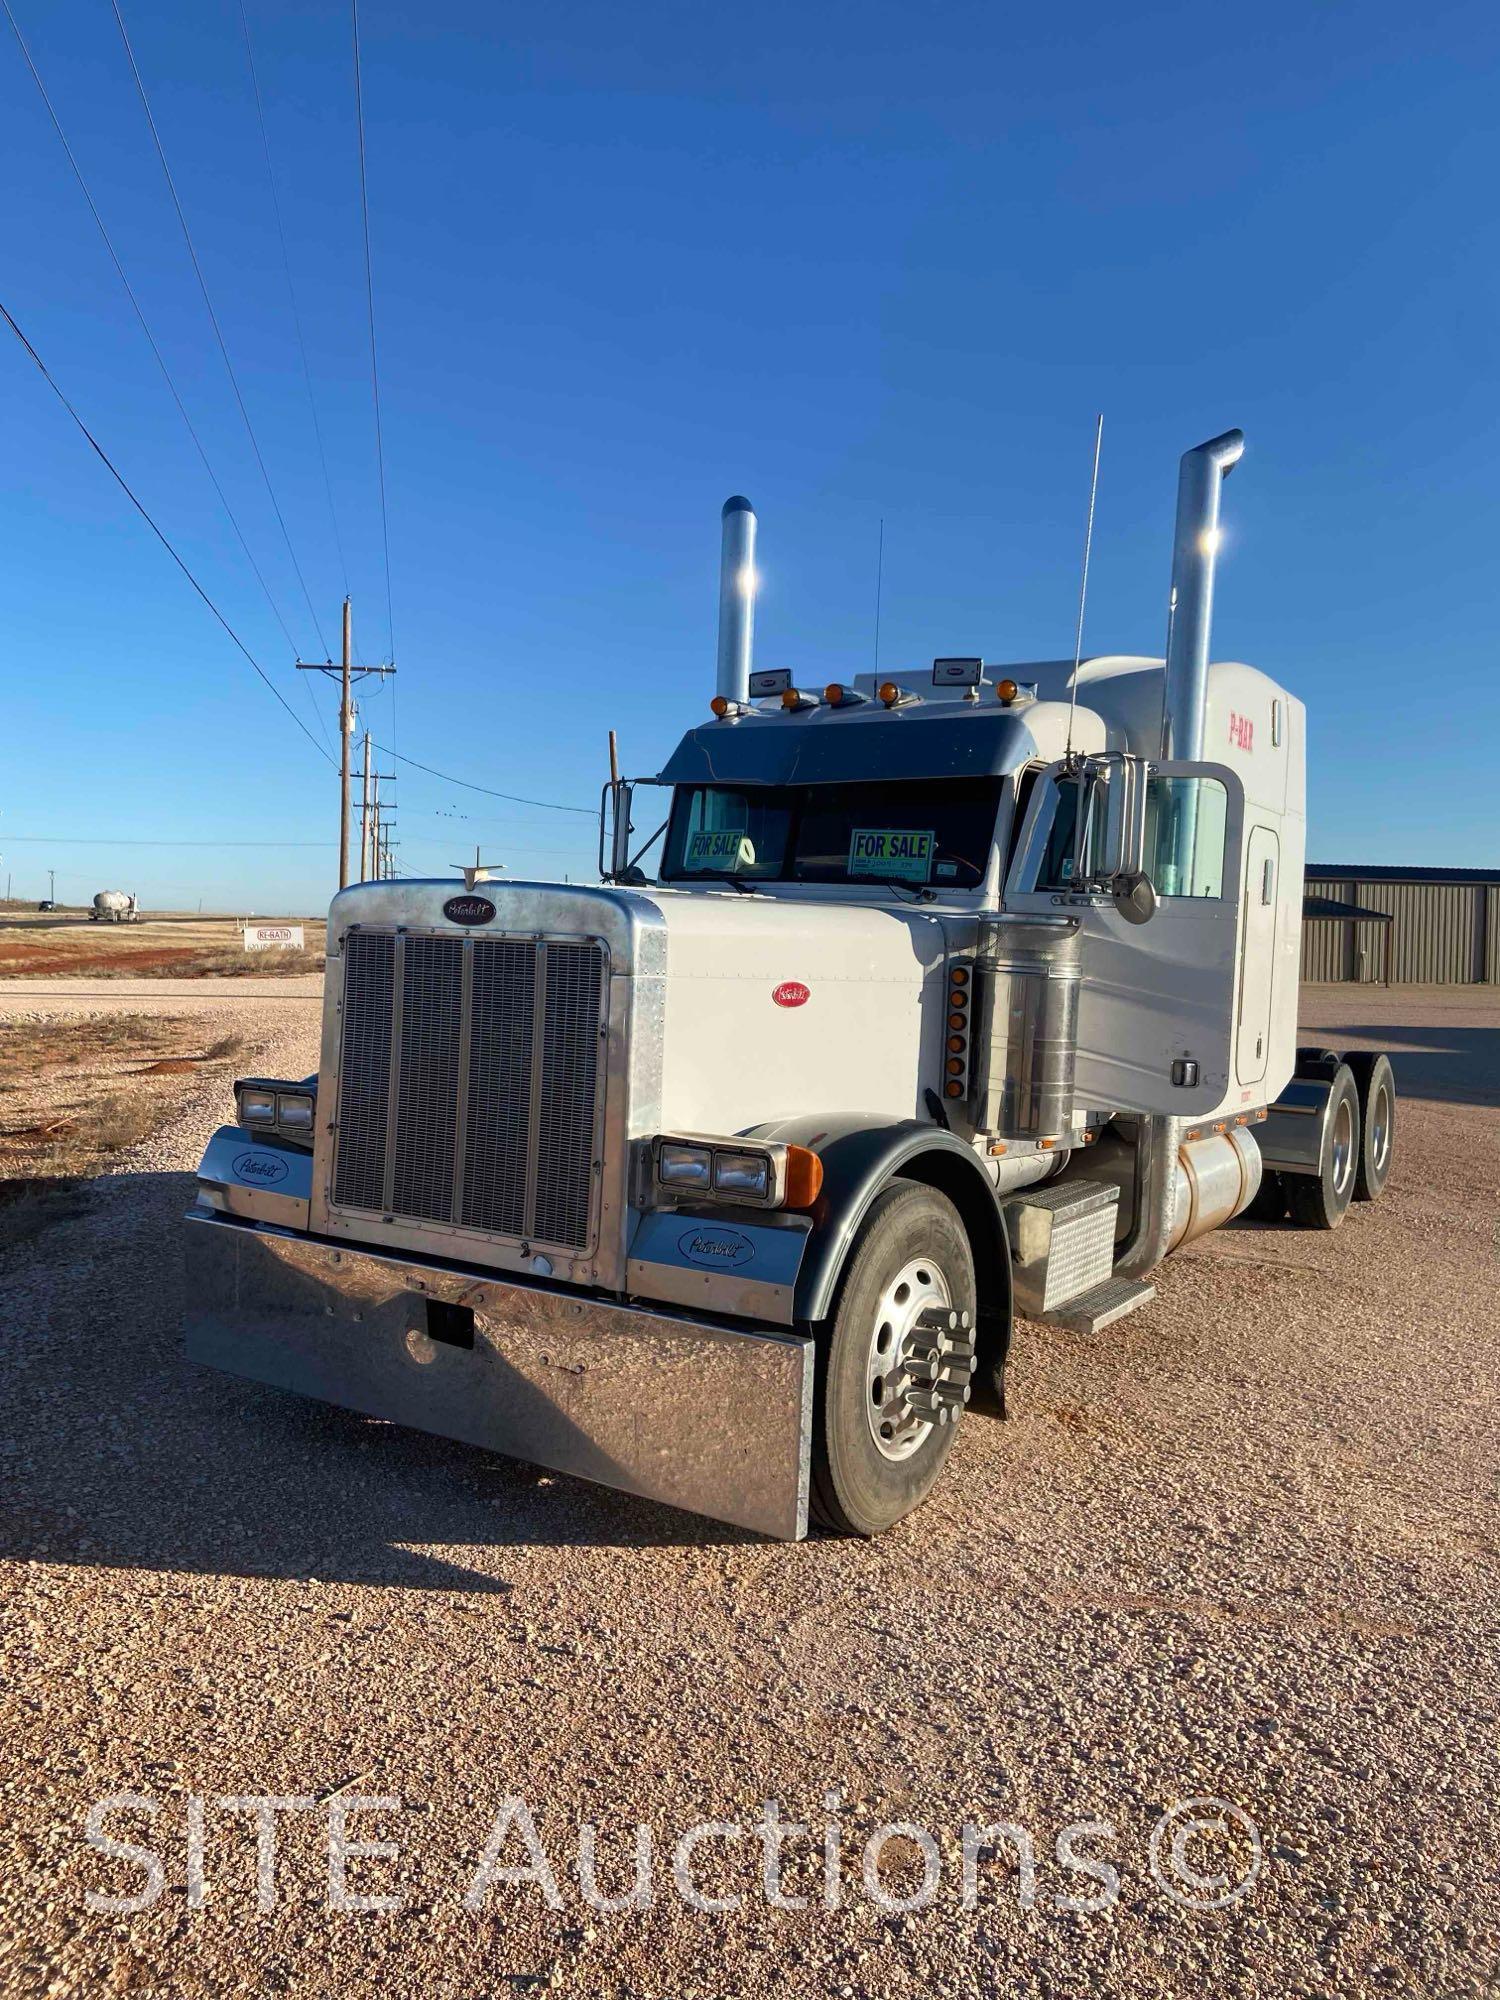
x=1258 y=953
x=1157 y=1002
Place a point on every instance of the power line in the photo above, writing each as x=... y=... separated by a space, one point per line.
x=547 y=805
x=161 y=362
x=129 y=840
x=187 y=237
x=160 y=535
x=291 y=290
x=364 y=204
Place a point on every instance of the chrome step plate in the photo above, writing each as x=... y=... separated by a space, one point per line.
x=1101 y=1307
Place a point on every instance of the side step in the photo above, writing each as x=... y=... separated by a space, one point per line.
x=1062 y=1243
x=1101 y=1307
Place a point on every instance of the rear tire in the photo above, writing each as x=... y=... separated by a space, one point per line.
x=1375 y=1081
x=1321 y=1200
x=875 y=1454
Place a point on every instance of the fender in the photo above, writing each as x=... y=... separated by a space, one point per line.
x=861 y=1157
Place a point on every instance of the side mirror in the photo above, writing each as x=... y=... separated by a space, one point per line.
x=615 y=828
x=1134 y=897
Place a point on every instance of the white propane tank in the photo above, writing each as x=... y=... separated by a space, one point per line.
x=112 y=906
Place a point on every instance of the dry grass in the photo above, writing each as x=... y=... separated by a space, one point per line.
x=77 y=1093
x=165 y=946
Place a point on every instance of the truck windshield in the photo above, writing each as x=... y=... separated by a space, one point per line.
x=932 y=831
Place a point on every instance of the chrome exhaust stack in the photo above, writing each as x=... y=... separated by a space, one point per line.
x=1195 y=551
x=736 y=600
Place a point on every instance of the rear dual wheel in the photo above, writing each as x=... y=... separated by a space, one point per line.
x=894 y=1362
x=1321 y=1200
x=1375 y=1081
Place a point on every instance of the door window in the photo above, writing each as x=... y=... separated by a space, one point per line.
x=1185 y=820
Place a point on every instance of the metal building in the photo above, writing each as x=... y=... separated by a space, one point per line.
x=1441 y=928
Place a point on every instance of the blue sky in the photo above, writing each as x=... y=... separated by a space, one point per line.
x=856 y=261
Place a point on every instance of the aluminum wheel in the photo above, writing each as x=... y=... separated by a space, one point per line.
x=1380 y=1128
x=920 y=1358
x=1343 y=1145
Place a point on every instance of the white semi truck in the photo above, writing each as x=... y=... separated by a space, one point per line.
x=948 y=997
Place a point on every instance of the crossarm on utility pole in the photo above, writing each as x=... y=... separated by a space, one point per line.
x=346 y=673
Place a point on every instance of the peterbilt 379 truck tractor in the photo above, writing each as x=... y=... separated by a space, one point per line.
x=937 y=999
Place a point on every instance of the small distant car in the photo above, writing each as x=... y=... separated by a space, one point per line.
x=42 y=906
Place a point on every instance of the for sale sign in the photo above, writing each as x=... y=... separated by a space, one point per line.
x=892 y=852
x=273 y=937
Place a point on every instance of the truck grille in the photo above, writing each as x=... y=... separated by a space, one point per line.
x=470 y=1082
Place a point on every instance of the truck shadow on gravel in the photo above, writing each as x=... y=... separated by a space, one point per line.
x=116 y=1450
x=1442 y=1063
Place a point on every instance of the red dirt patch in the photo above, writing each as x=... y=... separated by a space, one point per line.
x=84 y=962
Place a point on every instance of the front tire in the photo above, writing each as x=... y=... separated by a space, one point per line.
x=894 y=1362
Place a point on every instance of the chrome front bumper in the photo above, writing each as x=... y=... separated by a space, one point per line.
x=700 y=1417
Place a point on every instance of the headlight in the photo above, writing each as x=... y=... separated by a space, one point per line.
x=743 y=1174
x=760 y=1174
x=279 y=1110
x=684 y=1166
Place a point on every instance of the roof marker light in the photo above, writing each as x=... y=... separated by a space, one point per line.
x=1007 y=691
x=894 y=695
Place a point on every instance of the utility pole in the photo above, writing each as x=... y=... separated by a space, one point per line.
x=370 y=782
x=364 y=816
x=51 y=885
x=346 y=674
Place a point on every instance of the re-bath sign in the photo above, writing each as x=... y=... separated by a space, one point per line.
x=892 y=852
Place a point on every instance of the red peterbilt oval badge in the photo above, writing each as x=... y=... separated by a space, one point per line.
x=791 y=993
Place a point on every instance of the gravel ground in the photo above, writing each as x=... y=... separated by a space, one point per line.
x=1241 y=1547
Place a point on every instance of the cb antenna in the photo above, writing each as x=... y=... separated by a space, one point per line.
x=879 y=579
x=1083 y=583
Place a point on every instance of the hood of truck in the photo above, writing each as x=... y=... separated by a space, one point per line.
x=750 y=1007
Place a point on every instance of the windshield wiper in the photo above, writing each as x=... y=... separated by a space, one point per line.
x=917 y=892
x=745 y=887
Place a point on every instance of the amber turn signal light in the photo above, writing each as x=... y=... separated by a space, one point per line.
x=959 y=975
x=804 y=1177
x=953 y=1089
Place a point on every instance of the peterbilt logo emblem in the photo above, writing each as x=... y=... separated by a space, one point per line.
x=791 y=993
x=259 y=1168
x=469 y=910
x=714 y=1248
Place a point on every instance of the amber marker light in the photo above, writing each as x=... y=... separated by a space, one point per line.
x=804 y=1177
x=833 y=694
x=1007 y=691
x=890 y=694
x=720 y=706
x=954 y=1089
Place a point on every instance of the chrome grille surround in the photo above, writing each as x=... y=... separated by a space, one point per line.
x=472 y=1077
